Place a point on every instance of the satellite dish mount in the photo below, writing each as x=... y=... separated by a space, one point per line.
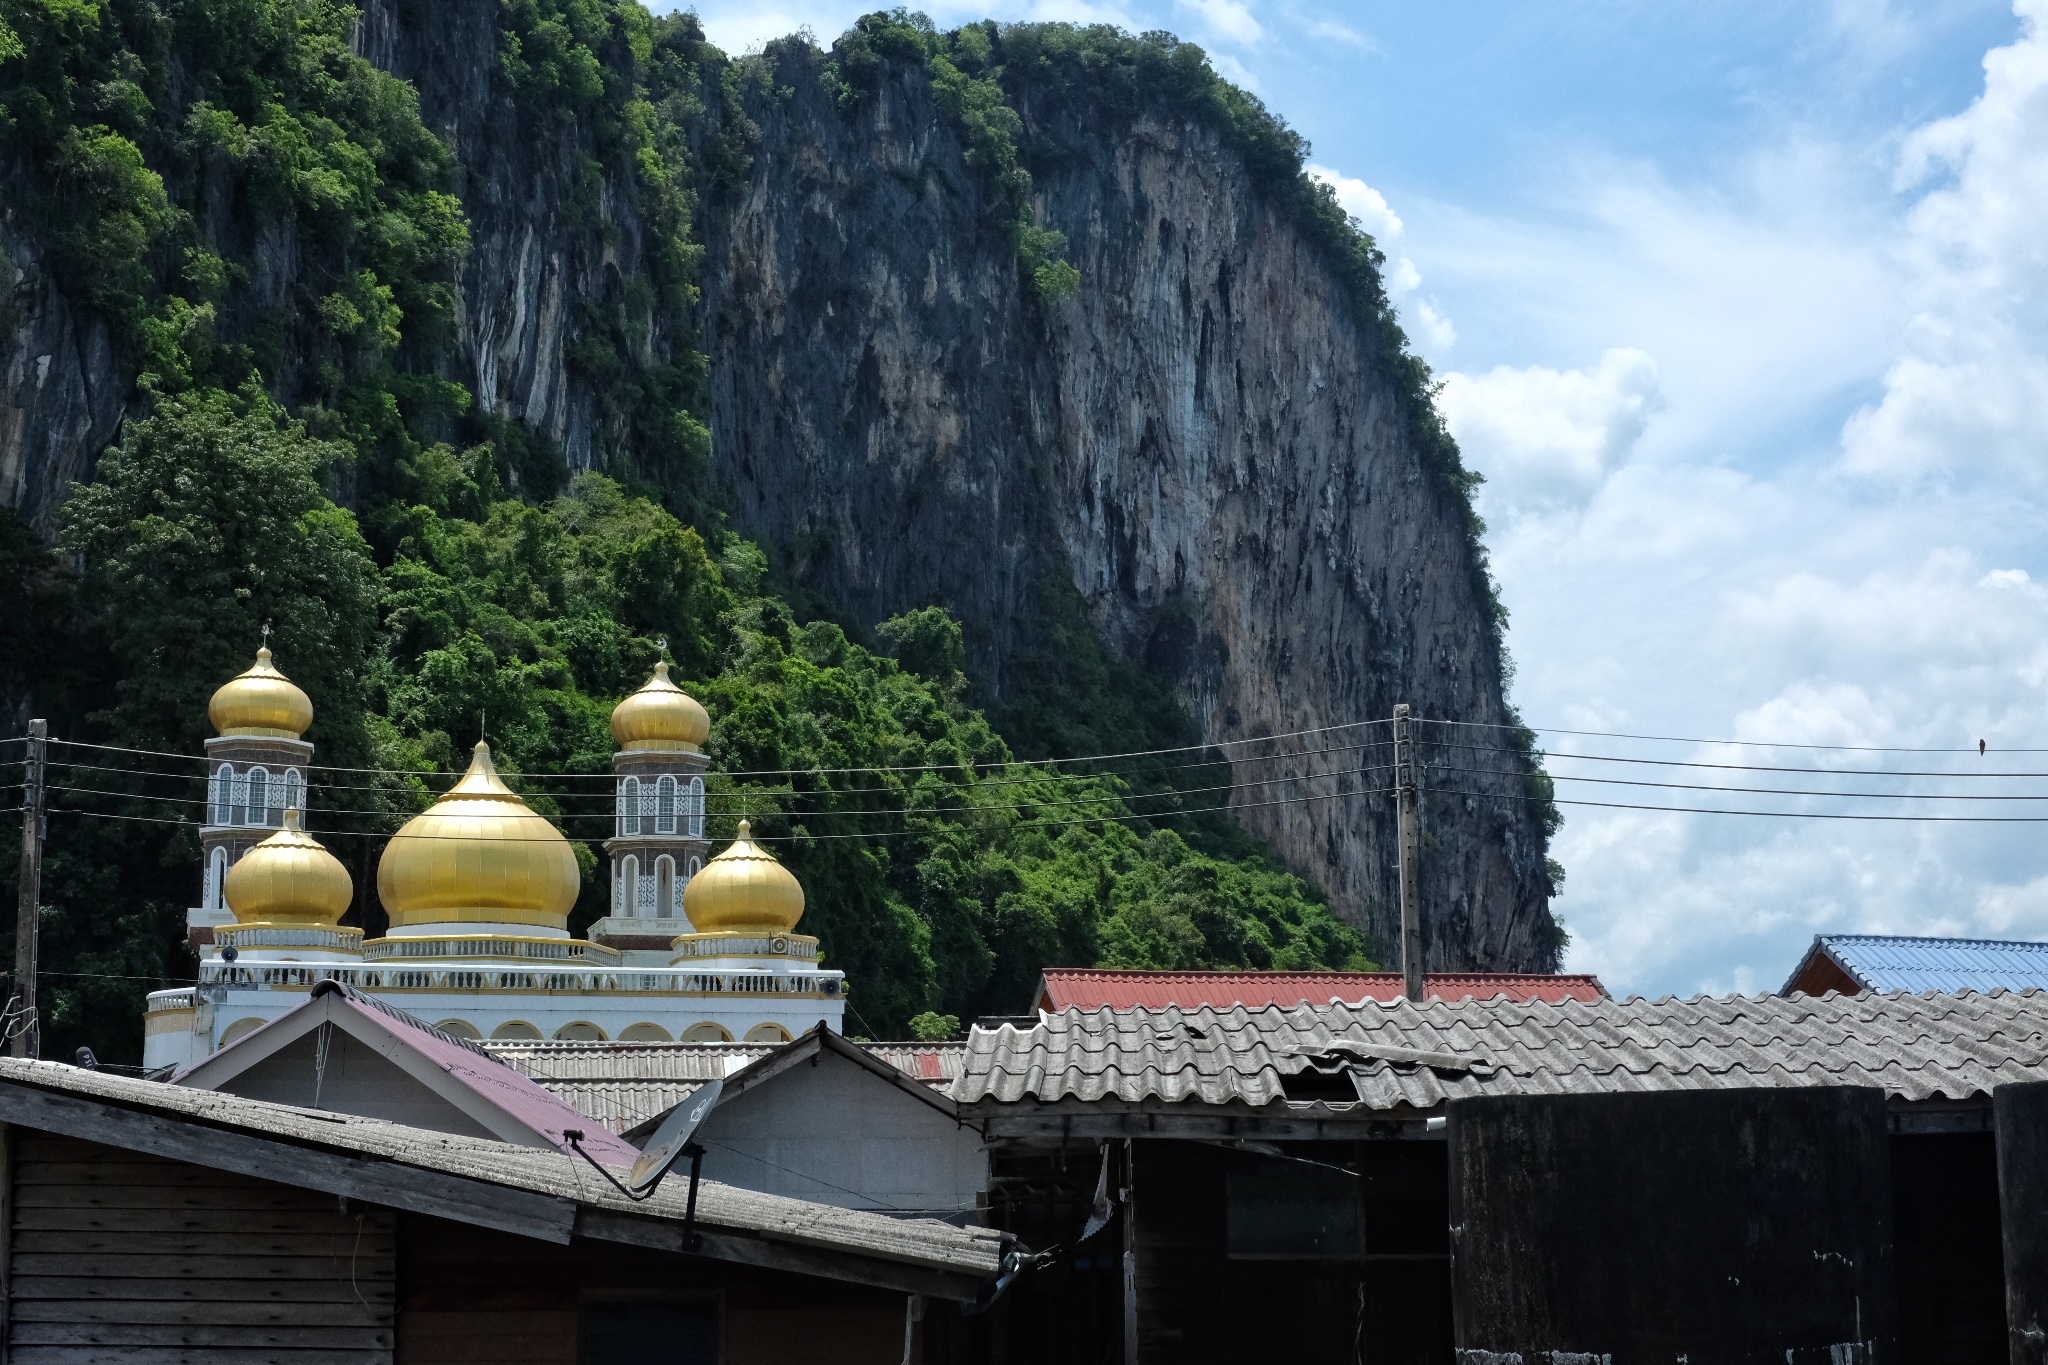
x=671 y=1141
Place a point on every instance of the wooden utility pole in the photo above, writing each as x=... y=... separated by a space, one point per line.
x=1407 y=799
x=24 y=1028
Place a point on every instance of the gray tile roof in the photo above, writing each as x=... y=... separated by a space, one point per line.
x=1414 y=1057
x=622 y=1085
x=914 y=1241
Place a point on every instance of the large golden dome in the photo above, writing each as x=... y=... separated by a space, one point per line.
x=261 y=702
x=289 y=879
x=478 y=855
x=745 y=890
x=660 y=716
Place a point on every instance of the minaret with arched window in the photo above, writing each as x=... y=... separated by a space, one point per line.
x=256 y=770
x=657 y=841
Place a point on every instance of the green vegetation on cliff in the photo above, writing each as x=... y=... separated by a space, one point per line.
x=274 y=237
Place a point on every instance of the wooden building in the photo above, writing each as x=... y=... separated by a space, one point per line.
x=1840 y=1180
x=154 y=1223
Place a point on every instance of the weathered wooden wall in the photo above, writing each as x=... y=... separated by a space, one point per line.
x=2020 y=1115
x=1723 y=1226
x=115 y=1256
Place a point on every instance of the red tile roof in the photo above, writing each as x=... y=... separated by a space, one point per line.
x=1091 y=988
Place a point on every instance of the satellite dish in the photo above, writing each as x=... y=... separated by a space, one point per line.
x=672 y=1139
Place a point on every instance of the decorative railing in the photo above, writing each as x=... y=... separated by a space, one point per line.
x=572 y=950
x=337 y=938
x=163 y=1001
x=746 y=945
x=218 y=979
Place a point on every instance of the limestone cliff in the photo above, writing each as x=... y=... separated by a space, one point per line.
x=1205 y=437
x=1207 y=441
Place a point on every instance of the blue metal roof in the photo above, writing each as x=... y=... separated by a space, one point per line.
x=1886 y=963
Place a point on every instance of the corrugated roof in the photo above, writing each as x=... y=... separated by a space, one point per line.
x=1915 y=1047
x=622 y=1085
x=1883 y=962
x=1088 y=988
x=916 y=1241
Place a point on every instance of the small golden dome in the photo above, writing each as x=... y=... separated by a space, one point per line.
x=289 y=879
x=479 y=855
x=744 y=889
x=261 y=702
x=660 y=716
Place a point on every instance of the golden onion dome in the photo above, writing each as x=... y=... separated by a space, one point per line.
x=479 y=855
x=660 y=716
x=261 y=702
x=289 y=879
x=744 y=889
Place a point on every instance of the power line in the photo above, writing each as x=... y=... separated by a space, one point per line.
x=1740 y=743
x=1548 y=755
x=1763 y=791
x=1770 y=814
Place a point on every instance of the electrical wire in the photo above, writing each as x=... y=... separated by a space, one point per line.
x=1742 y=743
x=1772 y=814
x=1549 y=755
x=1761 y=791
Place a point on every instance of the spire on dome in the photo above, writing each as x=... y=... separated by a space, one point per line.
x=660 y=717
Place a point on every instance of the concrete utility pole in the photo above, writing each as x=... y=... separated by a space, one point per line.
x=1407 y=798
x=24 y=1028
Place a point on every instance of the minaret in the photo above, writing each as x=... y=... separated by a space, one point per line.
x=657 y=841
x=255 y=771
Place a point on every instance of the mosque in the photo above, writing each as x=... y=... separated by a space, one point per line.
x=478 y=889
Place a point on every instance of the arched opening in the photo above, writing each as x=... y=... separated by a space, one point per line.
x=516 y=1031
x=629 y=885
x=664 y=887
x=665 y=806
x=582 y=1031
x=220 y=795
x=259 y=797
x=696 y=866
x=240 y=1029
x=216 y=874
x=696 y=808
x=767 y=1033
x=460 y=1028
x=706 y=1032
x=294 y=791
x=644 y=1033
x=629 y=806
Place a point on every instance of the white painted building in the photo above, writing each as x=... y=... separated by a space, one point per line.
x=478 y=889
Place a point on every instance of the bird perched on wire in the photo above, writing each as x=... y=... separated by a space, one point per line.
x=1980 y=748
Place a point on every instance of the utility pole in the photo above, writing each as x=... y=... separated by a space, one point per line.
x=24 y=1028
x=1407 y=798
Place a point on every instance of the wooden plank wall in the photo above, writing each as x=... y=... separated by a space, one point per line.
x=119 y=1257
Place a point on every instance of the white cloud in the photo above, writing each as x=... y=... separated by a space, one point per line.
x=1362 y=202
x=1234 y=71
x=1547 y=437
x=1230 y=19
x=1329 y=30
x=1969 y=394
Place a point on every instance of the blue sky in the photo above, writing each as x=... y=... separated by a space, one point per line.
x=1742 y=310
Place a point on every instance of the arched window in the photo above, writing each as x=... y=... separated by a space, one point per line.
x=664 y=887
x=696 y=808
x=216 y=874
x=696 y=866
x=259 y=796
x=238 y=797
x=629 y=806
x=219 y=790
x=706 y=1032
x=629 y=884
x=767 y=1033
x=294 y=791
x=665 y=806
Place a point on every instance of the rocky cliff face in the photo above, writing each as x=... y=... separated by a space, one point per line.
x=1203 y=438
x=1204 y=441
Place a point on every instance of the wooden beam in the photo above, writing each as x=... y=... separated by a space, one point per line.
x=373 y=1180
x=667 y=1235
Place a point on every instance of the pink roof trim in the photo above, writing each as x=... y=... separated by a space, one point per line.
x=1089 y=988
